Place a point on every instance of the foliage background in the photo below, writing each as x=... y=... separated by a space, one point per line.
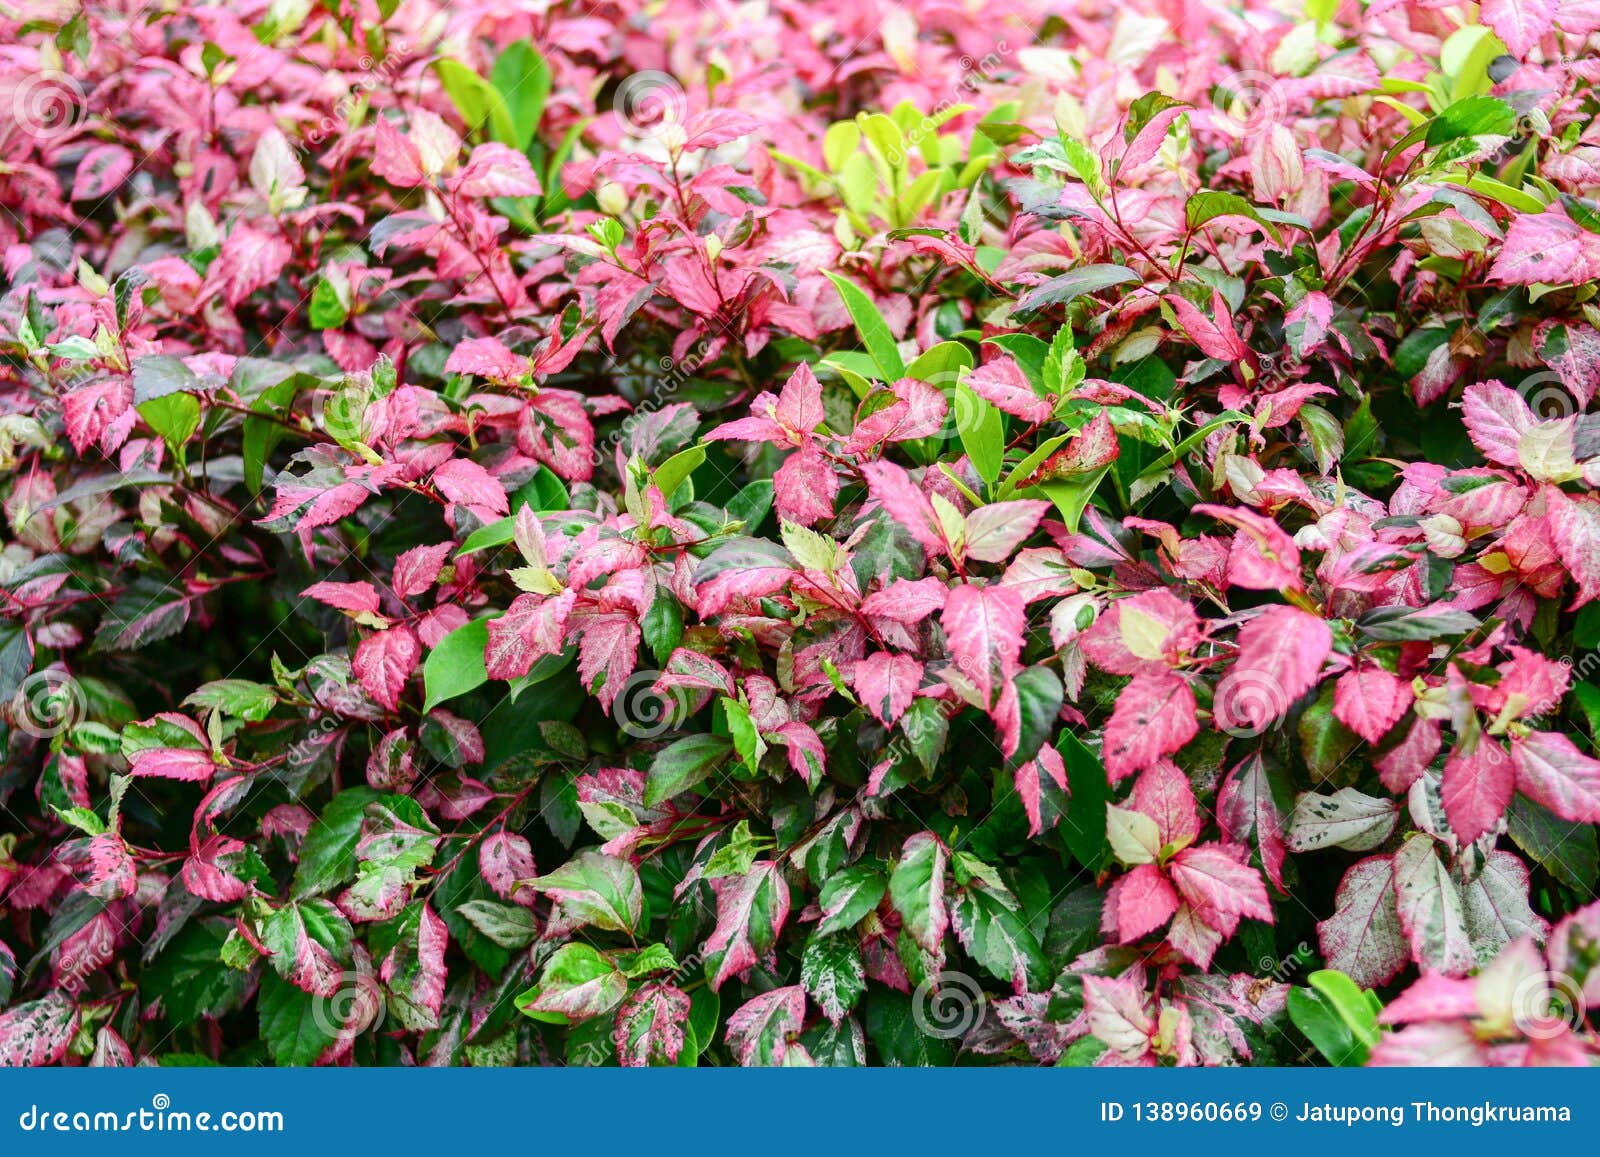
x=790 y=533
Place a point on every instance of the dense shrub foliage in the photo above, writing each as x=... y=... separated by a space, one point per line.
x=830 y=532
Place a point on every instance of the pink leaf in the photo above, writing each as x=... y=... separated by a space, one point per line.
x=1370 y=701
x=1214 y=878
x=249 y=260
x=531 y=628
x=357 y=598
x=1163 y=793
x=1138 y=903
x=1147 y=142
x=1552 y=772
x=887 y=683
x=486 y=357
x=416 y=569
x=1030 y=780
x=1477 y=789
x=764 y=1031
x=384 y=662
x=1575 y=531
x=1363 y=937
x=496 y=170
x=1431 y=912
x=1114 y=1011
x=1247 y=810
x=464 y=481
x=994 y=531
x=99 y=412
x=1091 y=447
x=799 y=406
x=1520 y=24
x=1216 y=339
x=1263 y=558
x=1433 y=1044
x=173 y=763
x=100 y=171
x=1433 y=997
x=891 y=487
x=1496 y=418
x=394 y=157
x=1403 y=764
x=1002 y=383
x=1154 y=716
x=36 y=1034
x=805 y=486
x=718 y=126
x=751 y=910
x=1280 y=656
x=649 y=1026
x=504 y=858
x=1547 y=247
x=1151 y=631
x=907 y=600
x=984 y=627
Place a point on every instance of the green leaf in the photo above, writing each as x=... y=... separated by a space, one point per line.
x=1084 y=826
x=1586 y=627
x=239 y=698
x=1071 y=495
x=81 y=818
x=487 y=537
x=579 y=982
x=982 y=432
x=662 y=625
x=681 y=765
x=545 y=492
x=506 y=924
x=596 y=889
x=1145 y=109
x=262 y=432
x=147 y=611
x=189 y=977
x=157 y=375
x=175 y=418
x=295 y=1026
x=927 y=728
x=522 y=78
x=751 y=504
x=747 y=740
x=940 y=362
x=1209 y=204
x=874 y=330
x=832 y=972
x=1568 y=851
x=328 y=852
x=990 y=925
x=648 y=961
x=1476 y=116
x=916 y=888
x=672 y=473
x=849 y=894
x=1040 y=695
x=456 y=665
x=326 y=311
x=478 y=102
x=1070 y=286
x=1337 y=1016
